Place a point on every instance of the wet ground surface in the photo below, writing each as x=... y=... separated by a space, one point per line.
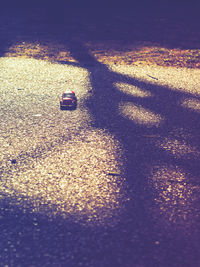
x=114 y=182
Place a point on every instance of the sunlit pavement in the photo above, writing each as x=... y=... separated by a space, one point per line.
x=112 y=183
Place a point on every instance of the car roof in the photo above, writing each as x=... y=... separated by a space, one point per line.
x=68 y=92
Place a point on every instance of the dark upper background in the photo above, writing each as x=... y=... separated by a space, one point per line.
x=112 y=19
x=111 y=6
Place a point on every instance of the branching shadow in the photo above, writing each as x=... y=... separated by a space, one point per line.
x=142 y=239
x=140 y=153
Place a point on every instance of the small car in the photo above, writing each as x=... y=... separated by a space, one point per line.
x=68 y=100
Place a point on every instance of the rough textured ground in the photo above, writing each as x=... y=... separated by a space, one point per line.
x=114 y=182
x=160 y=38
x=87 y=167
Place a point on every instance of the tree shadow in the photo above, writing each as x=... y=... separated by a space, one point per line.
x=141 y=154
x=141 y=238
x=120 y=28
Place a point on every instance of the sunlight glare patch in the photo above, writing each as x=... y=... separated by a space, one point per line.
x=140 y=115
x=50 y=51
x=176 y=147
x=82 y=179
x=175 y=197
x=132 y=90
x=192 y=104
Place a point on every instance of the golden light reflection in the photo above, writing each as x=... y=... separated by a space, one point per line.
x=140 y=115
x=132 y=90
x=51 y=51
x=191 y=103
x=175 y=195
x=177 y=148
x=82 y=179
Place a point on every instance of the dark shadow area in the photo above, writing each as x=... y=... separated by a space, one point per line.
x=129 y=25
x=28 y=238
x=144 y=237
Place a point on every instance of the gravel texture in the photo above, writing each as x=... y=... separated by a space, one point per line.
x=135 y=129
x=52 y=158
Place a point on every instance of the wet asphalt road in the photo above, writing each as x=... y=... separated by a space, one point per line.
x=113 y=183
